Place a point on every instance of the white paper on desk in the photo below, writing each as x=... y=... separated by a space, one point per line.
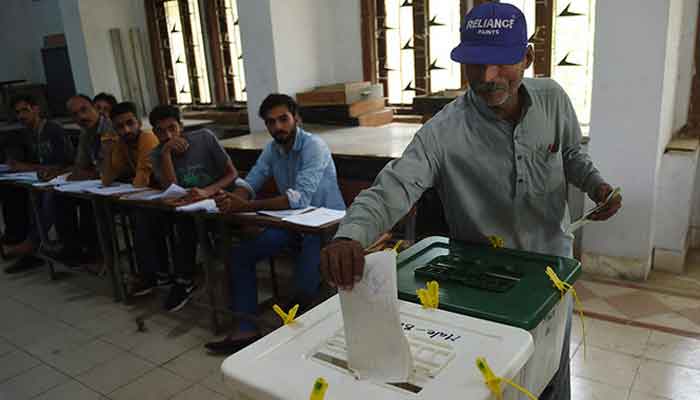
x=19 y=176
x=4 y=168
x=377 y=347
x=111 y=190
x=59 y=180
x=172 y=192
x=79 y=186
x=144 y=195
x=315 y=218
x=208 y=205
x=284 y=213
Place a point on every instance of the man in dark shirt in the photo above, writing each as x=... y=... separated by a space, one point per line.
x=42 y=147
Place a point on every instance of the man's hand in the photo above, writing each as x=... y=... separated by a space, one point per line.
x=197 y=194
x=613 y=206
x=343 y=263
x=176 y=145
x=230 y=203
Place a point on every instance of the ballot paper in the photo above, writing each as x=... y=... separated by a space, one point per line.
x=284 y=213
x=4 y=168
x=172 y=192
x=315 y=218
x=19 y=176
x=208 y=205
x=586 y=218
x=79 y=186
x=377 y=347
x=115 y=189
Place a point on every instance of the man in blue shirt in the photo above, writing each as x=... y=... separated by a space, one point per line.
x=303 y=169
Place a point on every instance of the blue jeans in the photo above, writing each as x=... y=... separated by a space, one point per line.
x=244 y=257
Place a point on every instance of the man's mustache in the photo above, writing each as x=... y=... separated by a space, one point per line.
x=489 y=87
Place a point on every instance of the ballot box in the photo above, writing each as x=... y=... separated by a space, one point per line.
x=500 y=285
x=444 y=346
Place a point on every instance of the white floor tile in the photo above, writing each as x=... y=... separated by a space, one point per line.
x=617 y=337
x=605 y=366
x=600 y=306
x=78 y=359
x=71 y=390
x=216 y=383
x=667 y=380
x=606 y=290
x=62 y=337
x=106 y=378
x=15 y=363
x=167 y=346
x=6 y=347
x=158 y=384
x=108 y=323
x=31 y=383
x=199 y=392
x=584 y=389
x=195 y=364
x=645 y=396
x=674 y=349
x=672 y=320
x=677 y=303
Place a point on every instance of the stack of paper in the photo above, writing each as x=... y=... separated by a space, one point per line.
x=377 y=347
x=316 y=218
x=208 y=205
x=20 y=176
x=284 y=213
x=120 y=188
x=142 y=195
x=172 y=192
x=79 y=186
x=59 y=180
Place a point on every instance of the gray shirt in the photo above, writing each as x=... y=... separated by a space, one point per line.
x=89 y=152
x=493 y=178
x=202 y=164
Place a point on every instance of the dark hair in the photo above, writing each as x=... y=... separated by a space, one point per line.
x=276 y=99
x=123 y=108
x=27 y=98
x=105 y=97
x=82 y=96
x=162 y=112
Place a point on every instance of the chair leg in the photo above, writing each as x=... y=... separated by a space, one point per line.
x=273 y=278
x=126 y=233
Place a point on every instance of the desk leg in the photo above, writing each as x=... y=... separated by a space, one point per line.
x=106 y=233
x=34 y=198
x=209 y=268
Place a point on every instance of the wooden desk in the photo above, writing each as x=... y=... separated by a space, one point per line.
x=223 y=224
x=189 y=124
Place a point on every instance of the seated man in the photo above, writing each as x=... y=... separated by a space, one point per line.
x=305 y=175
x=80 y=236
x=42 y=146
x=127 y=157
x=127 y=154
x=195 y=161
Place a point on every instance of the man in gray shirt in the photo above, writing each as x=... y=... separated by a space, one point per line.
x=500 y=158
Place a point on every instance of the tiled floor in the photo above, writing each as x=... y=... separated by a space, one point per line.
x=640 y=307
x=68 y=340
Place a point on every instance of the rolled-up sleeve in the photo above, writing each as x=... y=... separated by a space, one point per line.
x=397 y=187
x=315 y=158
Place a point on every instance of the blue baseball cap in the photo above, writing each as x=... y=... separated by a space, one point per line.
x=493 y=33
